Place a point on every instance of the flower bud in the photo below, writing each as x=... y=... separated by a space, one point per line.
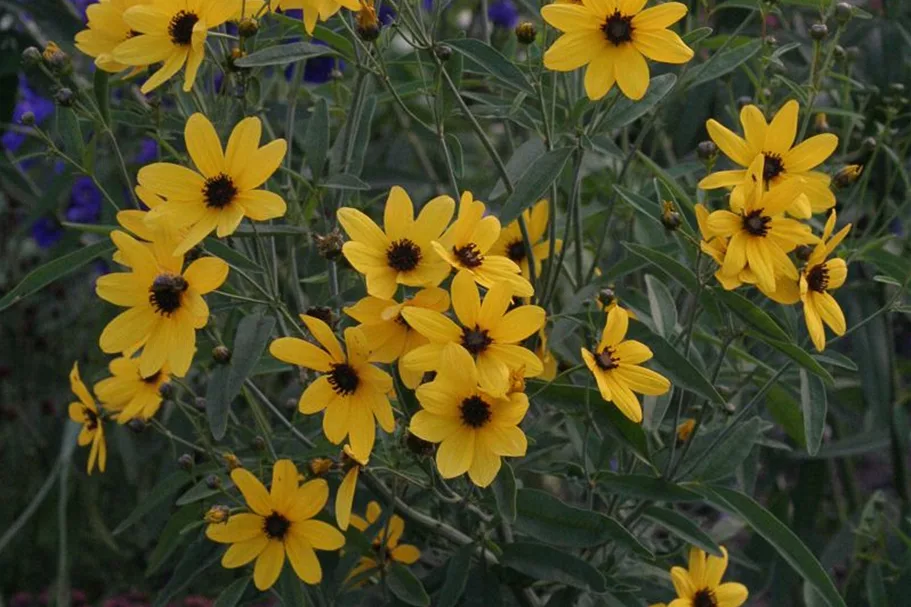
x=670 y=218
x=217 y=514
x=319 y=466
x=200 y=403
x=329 y=246
x=213 y=482
x=64 y=97
x=185 y=462
x=418 y=445
x=31 y=56
x=819 y=32
x=839 y=53
x=56 y=59
x=847 y=175
x=247 y=27
x=231 y=461
x=707 y=150
x=166 y=390
x=607 y=296
x=685 y=430
x=259 y=443
x=368 y=27
x=442 y=51
x=770 y=41
x=28 y=119
x=324 y=313
x=868 y=144
x=336 y=74
x=526 y=32
x=843 y=12
x=136 y=425
x=221 y=354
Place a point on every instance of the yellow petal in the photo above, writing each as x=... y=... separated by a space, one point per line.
x=600 y=75
x=269 y=565
x=433 y=428
x=311 y=497
x=570 y=17
x=659 y=17
x=204 y=146
x=303 y=559
x=242 y=553
x=714 y=568
x=466 y=302
x=662 y=45
x=344 y=498
x=361 y=228
x=518 y=324
x=573 y=50
x=254 y=492
x=615 y=327
x=810 y=153
x=261 y=205
x=284 y=485
x=731 y=594
x=262 y=164
x=733 y=146
x=243 y=140
x=830 y=312
x=432 y=325
x=754 y=127
x=456 y=453
x=642 y=380
x=484 y=465
x=398 y=216
x=206 y=274
x=301 y=353
x=683 y=583
x=324 y=335
x=722 y=179
x=783 y=129
x=633 y=78
x=320 y=535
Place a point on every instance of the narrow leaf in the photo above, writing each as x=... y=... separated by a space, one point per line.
x=723 y=63
x=752 y=314
x=282 y=54
x=456 y=577
x=493 y=62
x=231 y=595
x=683 y=528
x=504 y=492
x=627 y=111
x=541 y=562
x=407 y=587
x=668 y=266
x=316 y=141
x=661 y=306
x=534 y=181
x=813 y=402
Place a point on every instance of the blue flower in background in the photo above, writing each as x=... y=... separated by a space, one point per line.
x=503 y=13
x=386 y=14
x=428 y=5
x=85 y=202
x=148 y=151
x=29 y=101
x=82 y=5
x=46 y=232
x=318 y=69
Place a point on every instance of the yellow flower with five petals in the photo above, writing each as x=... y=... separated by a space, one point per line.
x=701 y=586
x=394 y=550
x=511 y=245
x=820 y=276
x=129 y=393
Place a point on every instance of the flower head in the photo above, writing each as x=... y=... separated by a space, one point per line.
x=474 y=428
x=165 y=305
x=783 y=161
x=701 y=586
x=388 y=334
x=280 y=523
x=105 y=30
x=390 y=535
x=614 y=37
x=488 y=334
x=85 y=412
x=615 y=363
x=318 y=10
x=466 y=246
x=223 y=189
x=129 y=393
x=511 y=245
x=402 y=254
x=351 y=390
x=817 y=278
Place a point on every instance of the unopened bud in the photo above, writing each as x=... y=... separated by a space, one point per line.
x=259 y=443
x=247 y=27
x=185 y=462
x=329 y=246
x=442 y=51
x=847 y=175
x=324 y=313
x=839 y=53
x=670 y=218
x=231 y=461
x=217 y=514
x=319 y=466
x=200 y=403
x=819 y=32
x=843 y=12
x=418 y=445
x=868 y=144
x=685 y=430
x=526 y=32
x=55 y=58
x=136 y=425
x=213 y=482
x=166 y=390
x=31 y=56
x=221 y=354
x=707 y=150
x=64 y=97
x=28 y=119
x=607 y=296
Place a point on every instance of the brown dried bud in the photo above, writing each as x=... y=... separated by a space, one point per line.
x=221 y=354
x=329 y=246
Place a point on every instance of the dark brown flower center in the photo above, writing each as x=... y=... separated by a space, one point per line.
x=166 y=291
x=475 y=340
x=343 y=379
x=773 y=166
x=219 y=191
x=475 y=412
x=756 y=224
x=818 y=278
x=181 y=27
x=403 y=255
x=91 y=418
x=469 y=255
x=607 y=359
x=276 y=526
x=151 y=379
x=516 y=251
x=618 y=29
x=704 y=598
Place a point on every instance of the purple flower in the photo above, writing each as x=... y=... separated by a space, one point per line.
x=318 y=69
x=386 y=14
x=85 y=202
x=46 y=232
x=503 y=13
x=428 y=5
x=29 y=101
x=148 y=151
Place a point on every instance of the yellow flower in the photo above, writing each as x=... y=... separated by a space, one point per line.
x=351 y=390
x=85 y=412
x=163 y=237
x=760 y=237
x=402 y=254
x=489 y=333
x=344 y=497
x=388 y=334
x=467 y=242
x=685 y=429
x=165 y=305
x=474 y=428
x=783 y=163
x=511 y=245
x=106 y=28
x=173 y=32
x=318 y=9
x=405 y=554
x=549 y=372
x=614 y=37
x=280 y=523
x=701 y=586
x=615 y=365
x=223 y=189
x=128 y=392
x=217 y=514
x=819 y=277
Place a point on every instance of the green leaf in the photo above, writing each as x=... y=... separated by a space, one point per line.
x=627 y=111
x=646 y=207
x=546 y=518
x=316 y=141
x=669 y=182
x=724 y=458
x=668 y=266
x=54 y=270
x=683 y=528
x=541 y=562
x=661 y=306
x=164 y=490
x=788 y=545
x=201 y=491
x=751 y=314
x=282 y=54
x=798 y=355
x=456 y=577
x=201 y=555
x=646 y=488
x=493 y=62
x=171 y=536
x=333 y=39
x=682 y=373
x=524 y=155
x=231 y=595
x=697 y=35
x=231 y=256
x=70 y=133
x=102 y=95
x=542 y=172
x=406 y=586
x=344 y=181
x=813 y=402
x=723 y=63
x=504 y=492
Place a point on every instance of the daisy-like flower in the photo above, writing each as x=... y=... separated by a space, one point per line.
x=784 y=162
x=281 y=523
x=173 y=32
x=129 y=393
x=466 y=246
x=489 y=334
x=511 y=245
x=820 y=276
x=105 y=30
x=474 y=428
x=701 y=586
x=405 y=554
x=223 y=189
x=402 y=254
x=615 y=363
x=352 y=391
x=165 y=305
x=318 y=10
x=344 y=497
x=614 y=37
x=86 y=412
x=760 y=237
x=388 y=334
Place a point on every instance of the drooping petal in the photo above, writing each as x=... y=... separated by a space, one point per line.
x=830 y=312
x=241 y=553
x=714 y=568
x=324 y=335
x=344 y=498
x=615 y=327
x=466 y=302
x=206 y=274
